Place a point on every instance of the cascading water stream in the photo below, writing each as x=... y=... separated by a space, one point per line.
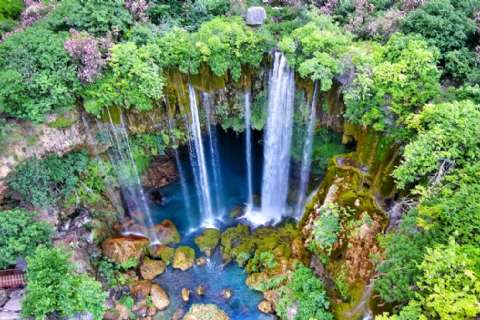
x=181 y=174
x=213 y=146
x=306 y=157
x=129 y=178
x=248 y=149
x=277 y=144
x=199 y=163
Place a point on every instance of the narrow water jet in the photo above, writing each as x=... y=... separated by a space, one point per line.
x=181 y=175
x=197 y=155
x=306 y=156
x=213 y=147
x=248 y=148
x=277 y=144
x=128 y=176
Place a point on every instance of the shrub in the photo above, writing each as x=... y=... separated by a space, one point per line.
x=36 y=74
x=44 y=182
x=133 y=80
x=10 y=9
x=308 y=293
x=447 y=133
x=20 y=234
x=97 y=17
x=326 y=229
x=54 y=288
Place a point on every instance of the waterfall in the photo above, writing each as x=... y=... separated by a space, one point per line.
x=181 y=174
x=306 y=157
x=129 y=179
x=277 y=143
x=248 y=149
x=197 y=155
x=213 y=146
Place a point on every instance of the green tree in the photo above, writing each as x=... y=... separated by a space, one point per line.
x=20 y=234
x=132 y=81
x=97 y=17
x=399 y=79
x=36 y=74
x=53 y=287
x=447 y=133
x=316 y=50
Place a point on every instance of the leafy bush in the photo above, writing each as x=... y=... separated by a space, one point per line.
x=227 y=44
x=400 y=78
x=20 y=234
x=308 y=293
x=404 y=251
x=462 y=65
x=132 y=81
x=36 y=74
x=447 y=133
x=10 y=9
x=54 y=288
x=316 y=49
x=444 y=26
x=97 y=17
x=326 y=229
x=44 y=182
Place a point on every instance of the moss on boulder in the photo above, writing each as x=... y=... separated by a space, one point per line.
x=184 y=258
x=208 y=241
x=205 y=312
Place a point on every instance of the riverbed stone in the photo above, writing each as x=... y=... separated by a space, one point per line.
x=201 y=261
x=185 y=294
x=141 y=289
x=226 y=294
x=205 y=312
x=208 y=240
x=255 y=16
x=167 y=232
x=151 y=268
x=265 y=306
x=160 y=298
x=184 y=258
x=124 y=248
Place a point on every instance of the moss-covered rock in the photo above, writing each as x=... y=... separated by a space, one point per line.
x=184 y=258
x=167 y=232
x=151 y=268
x=165 y=253
x=236 y=244
x=208 y=241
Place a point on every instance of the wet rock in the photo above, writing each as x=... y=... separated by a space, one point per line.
x=226 y=294
x=255 y=16
x=272 y=296
x=200 y=290
x=163 y=252
x=201 y=261
x=167 y=232
x=151 y=268
x=205 y=312
x=208 y=241
x=184 y=258
x=141 y=289
x=235 y=213
x=178 y=315
x=122 y=249
x=265 y=306
x=160 y=173
x=160 y=298
x=298 y=247
x=157 y=197
x=254 y=279
x=185 y=294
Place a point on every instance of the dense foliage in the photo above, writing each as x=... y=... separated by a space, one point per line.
x=54 y=288
x=45 y=182
x=20 y=234
x=308 y=294
x=36 y=74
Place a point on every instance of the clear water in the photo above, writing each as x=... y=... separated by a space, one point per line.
x=214 y=276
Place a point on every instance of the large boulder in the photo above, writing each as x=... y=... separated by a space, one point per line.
x=151 y=268
x=208 y=241
x=163 y=252
x=123 y=249
x=255 y=16
x=184 y=258
x=205 y=312
x=160 y=298
x=167 y=232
